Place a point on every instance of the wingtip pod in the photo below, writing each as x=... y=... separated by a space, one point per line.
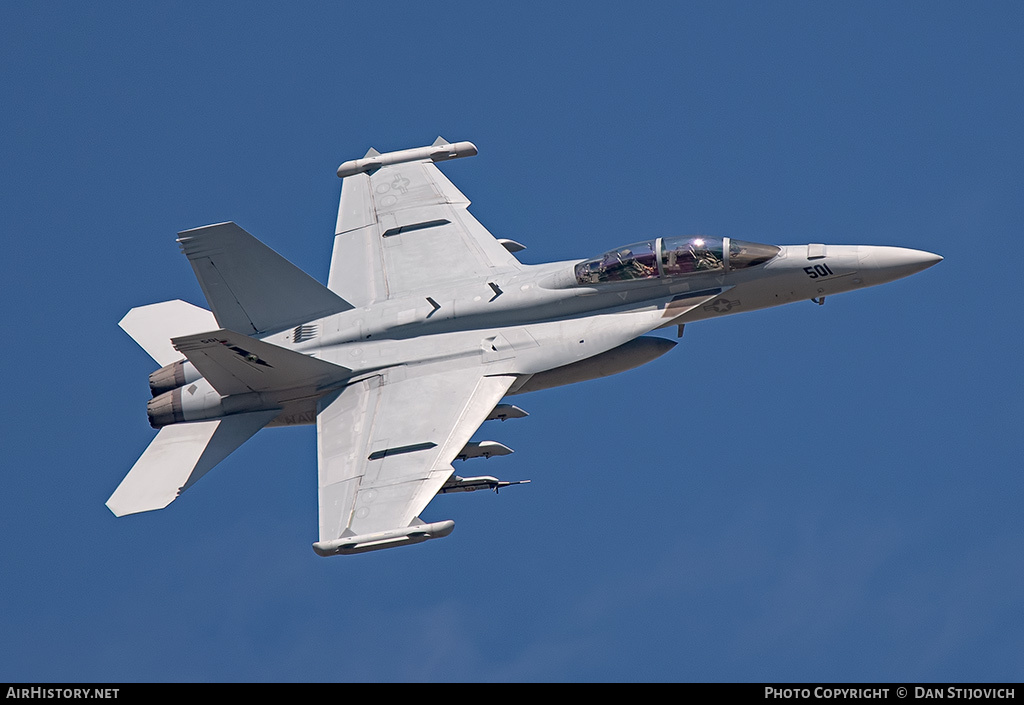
x=440 y=151
x=363 y=543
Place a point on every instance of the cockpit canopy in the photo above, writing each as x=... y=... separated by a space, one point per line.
x=673 y=257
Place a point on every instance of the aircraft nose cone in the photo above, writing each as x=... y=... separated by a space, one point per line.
x=889 y=263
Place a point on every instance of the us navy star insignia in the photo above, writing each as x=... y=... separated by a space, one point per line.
x=722 y=305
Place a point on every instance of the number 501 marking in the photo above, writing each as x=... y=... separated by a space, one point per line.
x=818 y=270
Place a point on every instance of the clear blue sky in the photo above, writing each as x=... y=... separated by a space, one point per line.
x=803 y=493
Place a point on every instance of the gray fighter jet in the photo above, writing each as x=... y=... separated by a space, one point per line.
x=427 y=322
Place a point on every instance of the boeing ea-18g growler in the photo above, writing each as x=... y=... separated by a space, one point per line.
x=426 y=324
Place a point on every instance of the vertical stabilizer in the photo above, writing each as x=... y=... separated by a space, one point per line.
x=250 y=288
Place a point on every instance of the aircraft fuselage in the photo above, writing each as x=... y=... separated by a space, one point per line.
x=542 y=319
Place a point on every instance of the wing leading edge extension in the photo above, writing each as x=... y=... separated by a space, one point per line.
x=385 y=448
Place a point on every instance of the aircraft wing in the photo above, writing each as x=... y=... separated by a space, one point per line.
x=404 y=227
x=385 y=447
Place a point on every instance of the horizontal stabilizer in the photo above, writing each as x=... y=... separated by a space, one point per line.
x=153 y=326
x=251 y=288
x=179 y=456
x=237 y=364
